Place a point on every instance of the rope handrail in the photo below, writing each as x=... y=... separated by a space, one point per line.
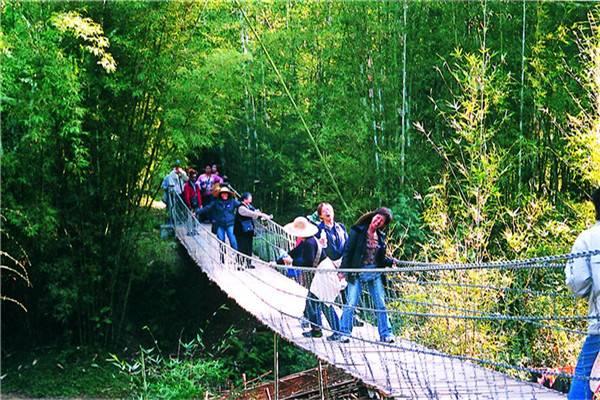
x=482 y=316
x=432 y=267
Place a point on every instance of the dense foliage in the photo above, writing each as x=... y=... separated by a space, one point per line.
x=477 y=123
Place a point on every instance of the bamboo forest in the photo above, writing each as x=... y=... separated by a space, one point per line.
x=300 y=199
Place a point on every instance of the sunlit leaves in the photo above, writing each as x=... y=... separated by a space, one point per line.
x=91 y=33
x=583 y=137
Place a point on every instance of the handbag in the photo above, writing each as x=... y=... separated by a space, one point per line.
x=247 y=226
x=326 y=284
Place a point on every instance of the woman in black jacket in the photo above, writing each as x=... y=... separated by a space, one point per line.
x=366 y=250
x=308 y=253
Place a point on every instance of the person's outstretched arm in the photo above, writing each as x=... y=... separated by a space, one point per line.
x=207 y=209
x=246 y=212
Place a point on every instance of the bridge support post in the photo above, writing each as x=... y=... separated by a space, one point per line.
x=321 y=384
x=276 y=365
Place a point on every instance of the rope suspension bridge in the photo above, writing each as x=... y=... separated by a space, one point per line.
x=426 y=302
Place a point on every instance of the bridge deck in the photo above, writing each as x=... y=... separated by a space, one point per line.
x=402 y=370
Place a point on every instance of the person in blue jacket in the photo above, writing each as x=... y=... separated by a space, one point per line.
x=223 y=213
x=335 y=232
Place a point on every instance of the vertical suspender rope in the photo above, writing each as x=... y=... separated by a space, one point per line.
x=276 y=366
x=304 y=124
x=521 y=96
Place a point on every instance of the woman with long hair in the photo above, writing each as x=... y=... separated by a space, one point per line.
x=366 y=251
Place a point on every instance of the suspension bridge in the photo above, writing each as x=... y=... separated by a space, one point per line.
x=405 y=368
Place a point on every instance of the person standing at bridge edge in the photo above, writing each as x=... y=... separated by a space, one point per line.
x=244 y=225
x=366 y=251
x=583 y=277
x=173 y=183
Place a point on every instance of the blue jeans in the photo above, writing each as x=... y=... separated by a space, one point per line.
x=313 y=310
x=377 y=292
x=331 y=317
x=580 y=388
x=227 y=230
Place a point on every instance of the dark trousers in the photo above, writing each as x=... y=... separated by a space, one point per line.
x=245 y=243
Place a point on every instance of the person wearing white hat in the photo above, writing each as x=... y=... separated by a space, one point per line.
x=307 y=253
x=583 y=278
x=223 y=212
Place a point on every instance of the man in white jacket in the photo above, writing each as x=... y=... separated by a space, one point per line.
x=583 y=277
x=174 y=181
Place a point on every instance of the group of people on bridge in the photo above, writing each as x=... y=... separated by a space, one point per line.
x=321 y=243
x=212 y=199
x=324 y=243
x=327 y=244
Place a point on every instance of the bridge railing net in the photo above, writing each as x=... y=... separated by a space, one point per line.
x=515 y=317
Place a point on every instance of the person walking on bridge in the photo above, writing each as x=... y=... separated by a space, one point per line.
x=308 y=253
x=583 y=277
x=336 y=237
x=206 y=181
x=191 y=192
x=365 y=251
x=175 y=179
x=223 y=211
x=335 y=232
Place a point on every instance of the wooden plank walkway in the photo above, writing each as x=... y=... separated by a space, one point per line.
x=404 y=370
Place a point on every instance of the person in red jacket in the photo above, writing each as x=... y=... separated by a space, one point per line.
x=192 y=193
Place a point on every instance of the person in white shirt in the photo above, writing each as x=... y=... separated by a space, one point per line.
x=175 y=182
x=583 y=278
x=176 y=179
